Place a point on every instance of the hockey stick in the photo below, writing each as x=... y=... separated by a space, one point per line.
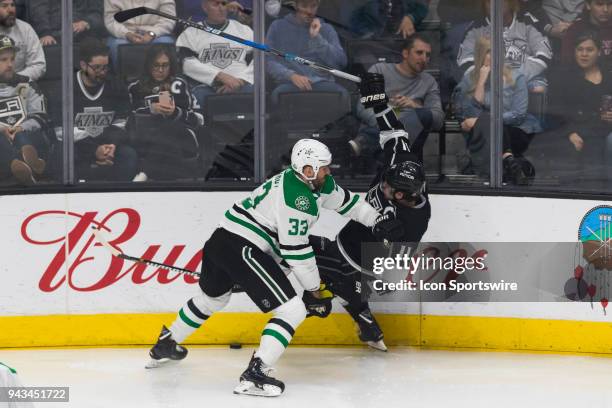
x=100 y=238
x=125 y=15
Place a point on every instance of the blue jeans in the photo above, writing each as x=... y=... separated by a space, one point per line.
x=200 y=92
x=321 y=86
x=11 y=151
x=114 y=43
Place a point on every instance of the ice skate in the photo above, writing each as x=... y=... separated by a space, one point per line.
x=369 y=331
x=256 y=381
x=165 y=350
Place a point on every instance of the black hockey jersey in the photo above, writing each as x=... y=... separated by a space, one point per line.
x=99 y=115
x=141 y=94
x=415 y=219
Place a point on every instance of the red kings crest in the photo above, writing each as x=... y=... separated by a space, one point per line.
x=75 y=253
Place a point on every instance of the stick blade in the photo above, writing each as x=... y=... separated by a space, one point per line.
x=125 y=15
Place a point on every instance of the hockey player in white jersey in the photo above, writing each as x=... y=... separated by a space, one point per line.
x=271 y=225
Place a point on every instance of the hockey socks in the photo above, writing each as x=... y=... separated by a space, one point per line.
x=280 y=329
x=195 y=313
x=274 y=340
x=189 y=319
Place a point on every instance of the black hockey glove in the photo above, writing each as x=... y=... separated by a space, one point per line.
x=372 y=90
x=373 y=95
x=318 y=306
x=388 y=229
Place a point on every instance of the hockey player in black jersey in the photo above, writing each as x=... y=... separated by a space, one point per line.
x=399 y=193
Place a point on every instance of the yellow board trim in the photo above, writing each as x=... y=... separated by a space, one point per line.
x=464 y=332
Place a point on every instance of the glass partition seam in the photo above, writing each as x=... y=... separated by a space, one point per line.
x=260 y=94
x=67 y=96
x=497 y=126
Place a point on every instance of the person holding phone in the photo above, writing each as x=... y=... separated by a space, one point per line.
x=585 y=118
x=163 y=124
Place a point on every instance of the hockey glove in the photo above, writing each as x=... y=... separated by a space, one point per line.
x=388 y=229
x=318 y=303
x=372 y=90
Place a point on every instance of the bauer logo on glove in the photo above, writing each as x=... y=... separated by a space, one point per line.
x=372 y=90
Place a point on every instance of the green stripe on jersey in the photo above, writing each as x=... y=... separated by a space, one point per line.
x=349 y=206
x=277 y=335
x=187 y=320
x=255 y=229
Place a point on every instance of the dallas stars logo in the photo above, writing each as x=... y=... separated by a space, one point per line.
x=302 y=203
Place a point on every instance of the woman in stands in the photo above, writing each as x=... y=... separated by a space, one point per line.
x=472 y=102
x=163 y=124
x=581 y=104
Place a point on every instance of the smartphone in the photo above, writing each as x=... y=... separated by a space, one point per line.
x=165 y=98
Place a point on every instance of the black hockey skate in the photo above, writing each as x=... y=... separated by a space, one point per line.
x=369 y=331
x=256 y=381
x=165 y=349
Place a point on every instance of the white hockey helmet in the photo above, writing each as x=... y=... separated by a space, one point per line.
x=310 y=152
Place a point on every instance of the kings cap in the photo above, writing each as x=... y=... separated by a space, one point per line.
x=6 y=43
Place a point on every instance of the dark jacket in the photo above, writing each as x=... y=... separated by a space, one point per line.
x=575 y=103
x=367 y=19
x=46 y=16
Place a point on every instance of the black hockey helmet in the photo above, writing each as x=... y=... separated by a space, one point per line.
x=407 y=177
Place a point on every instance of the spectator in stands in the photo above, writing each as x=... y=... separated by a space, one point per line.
x=192 y=10
x=101 y=150
x=30 y=58
x=581 y=99
x=596 y=17
x=560 y=15
x=303 y=34
x=473 y=104
x=279 y=8
x=46 y=18
x=412 y=92
x=457 y=18
x=386 y=18
x=163 y=122
x=214 y=64
x=526 y=48
x=144 y=29
x=23 y=123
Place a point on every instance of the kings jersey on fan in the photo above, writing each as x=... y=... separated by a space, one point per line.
x=95 y=110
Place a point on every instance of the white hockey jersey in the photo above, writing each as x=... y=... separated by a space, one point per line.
x=278 y=215
x=205 y=55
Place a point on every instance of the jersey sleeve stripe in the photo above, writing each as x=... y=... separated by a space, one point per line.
x=346 y=198
x=254 y=221
x=346 y=209
x=255 y=229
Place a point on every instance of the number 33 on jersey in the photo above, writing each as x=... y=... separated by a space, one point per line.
x=279 y=214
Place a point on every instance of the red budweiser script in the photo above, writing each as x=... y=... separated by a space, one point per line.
x=111 y=269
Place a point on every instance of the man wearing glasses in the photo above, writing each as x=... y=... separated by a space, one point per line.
x=101 y=150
